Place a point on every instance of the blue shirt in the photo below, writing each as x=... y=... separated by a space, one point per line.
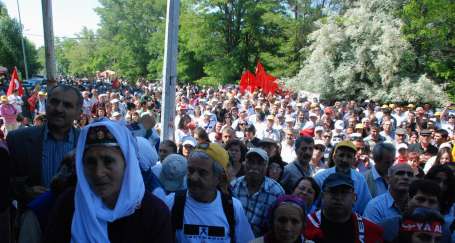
x=53 y=152
x=380 y=208
x=381 y=186
x=360 y=187
x=257 y=205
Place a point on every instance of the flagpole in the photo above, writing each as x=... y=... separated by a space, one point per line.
x=170 y=70
x=22 y=41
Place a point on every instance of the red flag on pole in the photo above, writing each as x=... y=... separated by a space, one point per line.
x=247 y=81
x=265 y=81
x=260 y=75
x=15 y=84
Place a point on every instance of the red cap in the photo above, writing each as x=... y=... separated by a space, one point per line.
x=328 y=110
x=307 y=132
x=183 y=107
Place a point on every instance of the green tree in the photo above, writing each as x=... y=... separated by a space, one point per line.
x=361 y=54
x=430 y=28
x=126 y=29
x=11 y=48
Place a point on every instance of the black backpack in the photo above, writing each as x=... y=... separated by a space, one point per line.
x=179 y=206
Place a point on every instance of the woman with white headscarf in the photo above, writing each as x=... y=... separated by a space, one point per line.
x=110 y=203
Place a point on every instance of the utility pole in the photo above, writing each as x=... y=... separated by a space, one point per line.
x=170 y=70
x=49 y=51
x=22 y=41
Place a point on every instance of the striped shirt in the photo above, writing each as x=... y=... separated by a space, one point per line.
x=53 y=152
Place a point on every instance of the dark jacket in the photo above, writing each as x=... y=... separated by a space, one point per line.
x=26 y=153
x=4 y=177
x=150 y=223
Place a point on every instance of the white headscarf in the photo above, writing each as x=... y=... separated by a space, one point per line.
x=147 y=154
x=91 y=215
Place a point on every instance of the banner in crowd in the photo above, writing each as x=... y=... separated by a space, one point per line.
x=15 y=84
x=262 y=80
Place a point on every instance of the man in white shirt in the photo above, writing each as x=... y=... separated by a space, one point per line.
x=204 y=213
x=287 y=146
x=269 y=131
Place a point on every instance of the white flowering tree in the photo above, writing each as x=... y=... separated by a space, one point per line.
x=362 y=54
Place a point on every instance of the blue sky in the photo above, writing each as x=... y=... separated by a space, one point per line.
x=69 y=17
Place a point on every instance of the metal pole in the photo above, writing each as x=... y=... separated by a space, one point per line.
x=49 y=43
x=22 y=41
x=170 y=70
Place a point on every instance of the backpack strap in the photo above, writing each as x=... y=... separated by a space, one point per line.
x=228 y=208
x=177 y=210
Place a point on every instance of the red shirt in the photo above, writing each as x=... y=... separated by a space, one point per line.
x=370 y=232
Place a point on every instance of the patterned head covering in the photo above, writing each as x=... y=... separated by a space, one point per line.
x=91 y=215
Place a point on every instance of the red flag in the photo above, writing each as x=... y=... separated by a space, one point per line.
x=247 y=81
x=15 y=84
x=266 y=81
x=260 y=72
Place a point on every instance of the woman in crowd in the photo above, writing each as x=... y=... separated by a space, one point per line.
x=286 y=221
x=443 y=157
x=309 y=191
x=197 y=116
x=201 y=136
x=9 y=113
x=237 y=151
x=182 y=129
x=443 y=175
x=413 y=137
x=317 y=160
x=275 y=169
x=421 y=226
x=110 y=203
x=227 y=121
x=83 y=121
x=100 y=112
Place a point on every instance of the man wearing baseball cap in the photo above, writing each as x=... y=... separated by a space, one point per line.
x=424 y=146
x=256 y=191
x=204 y=213
x=336 y=222
x=344 y=158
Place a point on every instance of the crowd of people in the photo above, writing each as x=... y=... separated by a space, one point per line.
x=83 y=162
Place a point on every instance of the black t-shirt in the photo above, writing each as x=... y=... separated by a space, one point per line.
x=150 y=223
x=337 y=232
x=417 y=147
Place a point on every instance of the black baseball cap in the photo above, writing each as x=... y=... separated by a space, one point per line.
x=337 y=179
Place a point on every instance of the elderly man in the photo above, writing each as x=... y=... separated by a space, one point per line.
x=336 y=222
x=256 y=191
x=269 y=131
x=204 y=213
x=301 y=167
x=344 y=158
x=393 y=202
x=87 y=103
x=376 y=177
x=424 y=146
x=422 y=194
x=287 y=146
x=36 y=152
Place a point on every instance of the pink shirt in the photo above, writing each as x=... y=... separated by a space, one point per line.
x=9 y=113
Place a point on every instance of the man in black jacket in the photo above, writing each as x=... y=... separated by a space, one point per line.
x=36 y=152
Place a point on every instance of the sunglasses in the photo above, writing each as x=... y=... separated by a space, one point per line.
x=402 y=173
